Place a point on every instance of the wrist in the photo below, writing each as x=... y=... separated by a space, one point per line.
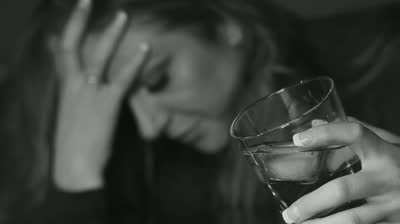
x=76 y=178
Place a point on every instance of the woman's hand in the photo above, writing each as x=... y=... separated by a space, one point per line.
x=89 y=104
x=378 y=182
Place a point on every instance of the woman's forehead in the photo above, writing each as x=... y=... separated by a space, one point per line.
x=163 y=44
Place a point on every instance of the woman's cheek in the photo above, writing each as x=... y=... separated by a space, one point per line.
x=215 y=137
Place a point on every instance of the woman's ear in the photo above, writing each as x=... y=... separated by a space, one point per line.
x=231 y=32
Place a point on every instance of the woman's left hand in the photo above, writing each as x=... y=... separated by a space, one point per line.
x=378 y=182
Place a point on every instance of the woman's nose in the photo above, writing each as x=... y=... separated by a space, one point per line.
x=150 y=118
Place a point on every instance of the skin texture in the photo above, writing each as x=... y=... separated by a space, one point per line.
x=177 y=85
x=191 y=105
x=378 y=182
x=87 y=106
x=201 y=79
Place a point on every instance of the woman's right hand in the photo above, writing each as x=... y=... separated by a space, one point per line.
x=89 y=105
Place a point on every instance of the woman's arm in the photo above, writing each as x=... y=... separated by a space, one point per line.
x=89 y=102
x=88 y=109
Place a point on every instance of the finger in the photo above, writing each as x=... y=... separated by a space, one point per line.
x=385 y=135
x=73 y=33
x=108 y=44
x=131 y=71
x=334 y=194
x=318 y=122
x=292 y=105
x=340 y=133
x=144 y=118
x=366 y=214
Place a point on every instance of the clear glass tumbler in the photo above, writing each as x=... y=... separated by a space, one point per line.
x=265 y=130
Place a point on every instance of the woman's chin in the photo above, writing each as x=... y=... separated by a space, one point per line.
x=210 y=145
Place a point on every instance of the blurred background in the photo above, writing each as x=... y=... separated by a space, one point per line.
x=15 y=14
x=336 y=42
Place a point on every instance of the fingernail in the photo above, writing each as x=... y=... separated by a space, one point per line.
x=121 y=17
x=291 y=215
x=302 y=139
x=84 y=3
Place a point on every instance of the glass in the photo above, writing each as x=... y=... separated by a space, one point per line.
x=265 y=130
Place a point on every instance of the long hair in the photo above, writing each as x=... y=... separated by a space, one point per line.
x=29 y=96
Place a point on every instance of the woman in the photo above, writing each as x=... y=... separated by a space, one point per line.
x=182 y=73
x=92 y=82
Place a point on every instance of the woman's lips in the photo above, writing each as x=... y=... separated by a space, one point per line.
x=186 y=134
x=189 y=136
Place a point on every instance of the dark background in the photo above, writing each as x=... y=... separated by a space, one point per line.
x=15 y=14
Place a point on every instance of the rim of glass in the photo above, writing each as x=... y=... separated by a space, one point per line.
x=301 y=82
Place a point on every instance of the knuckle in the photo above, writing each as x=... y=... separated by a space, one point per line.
x=356 y=130
x=353 y=218
x=323 y=133
x=392 y=179
x=342 y=190
x=93 y=71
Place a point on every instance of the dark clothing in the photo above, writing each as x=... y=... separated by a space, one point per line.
x=162 y=183
x=158 y=186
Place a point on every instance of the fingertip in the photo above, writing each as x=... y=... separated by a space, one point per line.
x=291 y=214
x=84 y=4
x=296 y=140
x=302 y=139
x=144 y=50
x=353 y=119
x=144 y=47
x=286 y=217
x=121 y=17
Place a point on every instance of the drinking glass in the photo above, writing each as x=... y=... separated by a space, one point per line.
x=265 y=130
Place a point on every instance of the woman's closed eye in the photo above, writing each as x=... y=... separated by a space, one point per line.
x=157 y=78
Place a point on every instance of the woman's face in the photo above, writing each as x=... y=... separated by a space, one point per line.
x=186 y=88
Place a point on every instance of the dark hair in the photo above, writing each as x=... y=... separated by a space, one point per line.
x=261 y=22
x=31 y=92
